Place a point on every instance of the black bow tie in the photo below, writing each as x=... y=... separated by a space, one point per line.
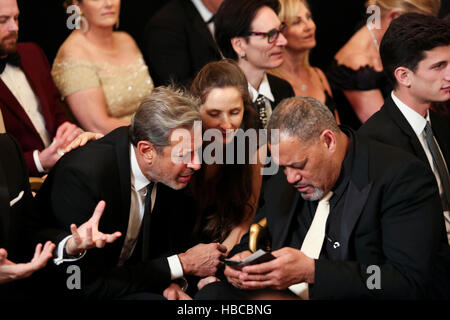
x=12 y=58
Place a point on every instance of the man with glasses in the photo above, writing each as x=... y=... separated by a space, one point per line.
x=250 y=33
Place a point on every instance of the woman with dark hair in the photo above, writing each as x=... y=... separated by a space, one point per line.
x=250 y=33
x=226 y=194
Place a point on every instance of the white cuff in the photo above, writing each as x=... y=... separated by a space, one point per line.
x=176 y=270
x=37 y=162
x=60 y=253
x=301 y=290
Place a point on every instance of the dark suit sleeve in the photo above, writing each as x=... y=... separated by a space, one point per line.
x=410 y=214
x=70 y=197
x=166 y=50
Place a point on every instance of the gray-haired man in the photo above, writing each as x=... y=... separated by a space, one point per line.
x=347 y=217
x=136 y=170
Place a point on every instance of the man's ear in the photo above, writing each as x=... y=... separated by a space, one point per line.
x=146 y=151
x=238 y=45
x=403 y=76
x=328 y=139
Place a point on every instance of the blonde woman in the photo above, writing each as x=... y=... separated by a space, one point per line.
x=357 y=69
x=300 y=34
x=100 y=72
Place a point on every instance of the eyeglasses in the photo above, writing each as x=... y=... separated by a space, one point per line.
x=272 y=35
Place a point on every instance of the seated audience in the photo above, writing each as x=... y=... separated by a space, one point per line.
x=178 y=40
x=416 y=58
x=300 y=35
x=356 y=74
x=136 y=171
x=348 y=217
x=30 y=108
x=250 y=33
x=99 y=72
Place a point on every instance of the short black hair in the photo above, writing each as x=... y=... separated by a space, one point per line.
x=407 y=38
x=234 y=19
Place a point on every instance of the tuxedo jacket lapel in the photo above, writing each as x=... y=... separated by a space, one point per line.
x=12 y=104
x=199 y=25
x=355 y=199
x=397 y=117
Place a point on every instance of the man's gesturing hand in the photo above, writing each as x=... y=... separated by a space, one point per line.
x=87 y=235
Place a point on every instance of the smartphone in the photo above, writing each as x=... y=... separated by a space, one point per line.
x=258 y=257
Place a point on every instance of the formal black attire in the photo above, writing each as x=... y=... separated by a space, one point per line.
x=178 y=43
x=384 y=212
x=101 y=171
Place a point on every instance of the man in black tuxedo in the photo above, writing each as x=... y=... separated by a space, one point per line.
x=15 y=201
x=358 y=211
x=179 y=41
x=137 y=171
x=415 y=52
x=17 y=228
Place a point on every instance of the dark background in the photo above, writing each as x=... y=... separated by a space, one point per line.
x=44 y=22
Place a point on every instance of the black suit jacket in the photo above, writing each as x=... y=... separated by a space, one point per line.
x=391 y=219
x=13 y=185
x=15 y=228
x=389 y=126
x=101 y=171
x=178 y=43
x=280 y=88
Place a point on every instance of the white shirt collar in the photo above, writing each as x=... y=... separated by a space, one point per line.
x=204 y=12
x=264 y=89
x=138 y=180
x=415 y=120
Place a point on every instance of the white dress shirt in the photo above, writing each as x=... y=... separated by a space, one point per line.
x=205 y=14
x=264 y=89
x=17 y=82
x=418 y=123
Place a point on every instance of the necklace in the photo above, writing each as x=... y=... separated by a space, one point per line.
x=375 y=42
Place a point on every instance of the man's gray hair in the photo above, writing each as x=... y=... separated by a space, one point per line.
x=302 y=117
x=164 y=110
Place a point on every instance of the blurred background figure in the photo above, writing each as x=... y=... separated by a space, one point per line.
x=356 y=75
x=99 y=72
x=250 y=33
x=225 y=194
x=296 y=69
x=178 y=40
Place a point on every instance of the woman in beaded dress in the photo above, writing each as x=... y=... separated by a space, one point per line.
x=100 y=72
